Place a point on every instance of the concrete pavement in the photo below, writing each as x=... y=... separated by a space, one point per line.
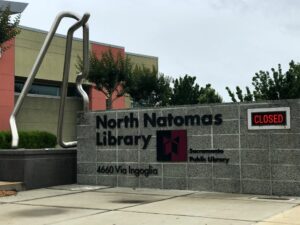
x=81 y=204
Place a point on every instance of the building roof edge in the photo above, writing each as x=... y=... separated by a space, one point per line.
x=141 y=55
x=64 y=36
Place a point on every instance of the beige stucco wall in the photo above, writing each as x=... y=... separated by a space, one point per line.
x=147 y=61
x=28 y=44
x=41 y=113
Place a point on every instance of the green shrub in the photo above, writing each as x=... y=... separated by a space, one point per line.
x=29 y=140
x=5 y=140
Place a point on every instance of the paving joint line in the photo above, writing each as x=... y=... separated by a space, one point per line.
x=175 y=196
x=105 y=211
x=80 y=217
x=123 y=209
x=58 y=195
x=105 y=188
x=145 y=203
x=72 y=207
x=194 y=216
x=265 y=220
x=139 y=193
x=249 y=199
x=56 y=206
x=52 y=196
x=231 y=198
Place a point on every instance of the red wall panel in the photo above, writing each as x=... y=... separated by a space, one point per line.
x=118 y=102
x=97 y=98
x=7 y=80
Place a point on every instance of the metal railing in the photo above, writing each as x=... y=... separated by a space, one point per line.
x=81 y=22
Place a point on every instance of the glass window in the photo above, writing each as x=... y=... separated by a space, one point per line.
x=18 y=87
x=39 y=89
x=52 y=90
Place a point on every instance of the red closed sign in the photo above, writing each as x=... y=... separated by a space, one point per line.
x=269 y=118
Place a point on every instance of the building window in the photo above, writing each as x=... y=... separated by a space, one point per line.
x=39 y=89
x=51 y=90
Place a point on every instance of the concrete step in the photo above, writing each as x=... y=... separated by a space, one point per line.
x=11 y=186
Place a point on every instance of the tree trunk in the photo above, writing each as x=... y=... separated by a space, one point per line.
x=109 y=102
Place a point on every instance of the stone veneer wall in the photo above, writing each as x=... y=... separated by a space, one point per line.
x=260 y=161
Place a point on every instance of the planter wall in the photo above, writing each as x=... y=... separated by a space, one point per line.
x=38 y=168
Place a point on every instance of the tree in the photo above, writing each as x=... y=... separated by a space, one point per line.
x=109 y=74
x=140 y=85
x=209 y=95
x=8 y=27
x=163 y=92
x=185 y=91
x=272 y=87
x=146 y=88
x=279 y=86
x=115 y=76
x=248 y=97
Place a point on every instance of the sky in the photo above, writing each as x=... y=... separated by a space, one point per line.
x=221 y=42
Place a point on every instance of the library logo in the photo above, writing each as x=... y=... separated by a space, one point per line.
x=171 y=145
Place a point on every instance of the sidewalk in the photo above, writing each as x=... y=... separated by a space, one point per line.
x=89 y=205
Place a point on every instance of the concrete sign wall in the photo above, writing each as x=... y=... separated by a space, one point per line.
x=204 y=147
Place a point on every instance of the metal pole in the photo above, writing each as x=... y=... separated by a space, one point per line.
x=81 y=76
x=35 y=68
x=64 y=87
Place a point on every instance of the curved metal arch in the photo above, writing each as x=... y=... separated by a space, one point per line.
x=81 y=22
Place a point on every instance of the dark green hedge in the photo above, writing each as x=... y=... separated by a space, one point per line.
x=29 y=140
